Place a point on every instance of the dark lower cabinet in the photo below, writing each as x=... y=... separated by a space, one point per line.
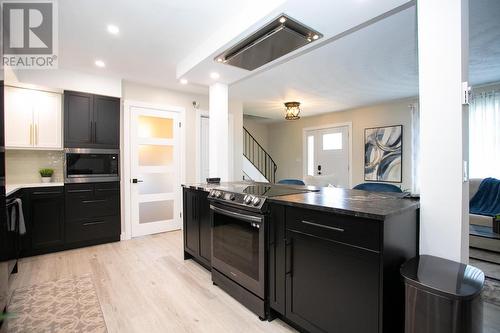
x=205 y=227
x=196 y=226
x=72 y=216
x=46 y=218
x=331 y=287
x=276 y=262
x=92 y=213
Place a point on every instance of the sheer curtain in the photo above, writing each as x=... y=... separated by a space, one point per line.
x=484 y=135
x=415 y=148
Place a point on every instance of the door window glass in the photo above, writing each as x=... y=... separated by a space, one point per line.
x=332 y=141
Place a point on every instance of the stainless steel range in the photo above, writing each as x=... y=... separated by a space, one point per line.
x=239 y=215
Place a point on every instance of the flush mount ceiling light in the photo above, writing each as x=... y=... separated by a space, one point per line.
x=113 y=29
x=292 y=110
x=183 y=81
x=100 y=63
x=214 y=75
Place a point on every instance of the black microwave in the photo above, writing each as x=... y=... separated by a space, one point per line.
x=83 y=165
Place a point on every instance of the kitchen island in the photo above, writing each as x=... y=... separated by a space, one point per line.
x=331 y=256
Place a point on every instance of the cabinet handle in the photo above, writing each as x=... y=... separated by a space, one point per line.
x=41 y=193
x=94 y=223
x=93 y=201
x=78 y=191
x=289 y=257
x=109 y=189
x=91 y=131
x=36 y=134
x=31 y=134
x=323 y=226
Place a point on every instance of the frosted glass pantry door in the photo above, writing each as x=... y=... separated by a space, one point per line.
x=155 y=167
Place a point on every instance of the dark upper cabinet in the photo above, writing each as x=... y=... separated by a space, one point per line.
x=91 y=121
x=106 y=121
x=78 y=119
x=197 y=226
x=46 y=215
x=331 y=287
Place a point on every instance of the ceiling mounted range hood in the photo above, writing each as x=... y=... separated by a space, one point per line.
x=281 y=36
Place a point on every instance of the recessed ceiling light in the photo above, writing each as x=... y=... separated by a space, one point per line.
x=282 y=19
x=315 y=37
x=220 y=59
x=113 y=29
x=214 y=75
x=184 y=81
x=100 y=63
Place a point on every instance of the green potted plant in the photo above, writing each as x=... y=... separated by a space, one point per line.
x=46 y=175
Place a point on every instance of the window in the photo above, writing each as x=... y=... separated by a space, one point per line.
x=484 y=135
x=310 y=155
x=332 y=141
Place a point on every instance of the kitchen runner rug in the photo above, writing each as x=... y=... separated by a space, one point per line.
x=66 y=305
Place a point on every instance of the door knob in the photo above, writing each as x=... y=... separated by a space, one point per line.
x=135 y=180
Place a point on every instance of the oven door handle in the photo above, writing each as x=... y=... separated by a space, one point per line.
x=247 y=218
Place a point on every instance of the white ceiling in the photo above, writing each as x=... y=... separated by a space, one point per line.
x=155 y=35
x=375 y=64
x=163 y=40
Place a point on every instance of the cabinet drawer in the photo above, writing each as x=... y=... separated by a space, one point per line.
x=90 y=201
x=93 y=229
x=341 y=228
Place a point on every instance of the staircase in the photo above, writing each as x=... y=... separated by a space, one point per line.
x=261 y=166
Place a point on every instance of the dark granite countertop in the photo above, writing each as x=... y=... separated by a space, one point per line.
x=372 y=205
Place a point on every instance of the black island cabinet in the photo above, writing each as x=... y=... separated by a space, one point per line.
x=197 y=226
x=338 y=273
x=328 y=270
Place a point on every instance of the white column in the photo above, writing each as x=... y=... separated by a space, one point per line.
x=218 y=131
x=443 y=66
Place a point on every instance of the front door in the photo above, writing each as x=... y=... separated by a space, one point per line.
x=327 y=153
x=155 y=171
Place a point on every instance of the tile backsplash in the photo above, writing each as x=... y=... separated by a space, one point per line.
x=22 y=165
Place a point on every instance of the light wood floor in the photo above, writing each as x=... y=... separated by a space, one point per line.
x=144 y=285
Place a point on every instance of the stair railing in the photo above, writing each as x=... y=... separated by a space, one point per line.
x=259 y=157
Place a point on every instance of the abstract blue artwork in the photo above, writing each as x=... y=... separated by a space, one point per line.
x=383 y=153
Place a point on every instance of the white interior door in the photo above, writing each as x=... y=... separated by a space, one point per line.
x=155 y=170
x=327 y=152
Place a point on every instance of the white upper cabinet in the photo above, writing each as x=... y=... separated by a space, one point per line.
x=33 y=119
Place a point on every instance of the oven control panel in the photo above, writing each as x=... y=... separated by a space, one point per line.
x=242 y=199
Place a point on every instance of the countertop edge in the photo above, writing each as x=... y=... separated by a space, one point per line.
x=13 y=188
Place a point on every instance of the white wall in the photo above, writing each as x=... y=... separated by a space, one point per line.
x=258 y=129
x=285 y=138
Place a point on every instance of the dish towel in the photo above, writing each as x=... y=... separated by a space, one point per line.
x=20 y=217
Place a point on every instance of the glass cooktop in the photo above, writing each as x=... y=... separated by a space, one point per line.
x=272 y=191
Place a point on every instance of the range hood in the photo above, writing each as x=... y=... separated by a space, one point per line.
x=281 y=36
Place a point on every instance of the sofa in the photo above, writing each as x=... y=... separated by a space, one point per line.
x=475 y=240
x=483 y=220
